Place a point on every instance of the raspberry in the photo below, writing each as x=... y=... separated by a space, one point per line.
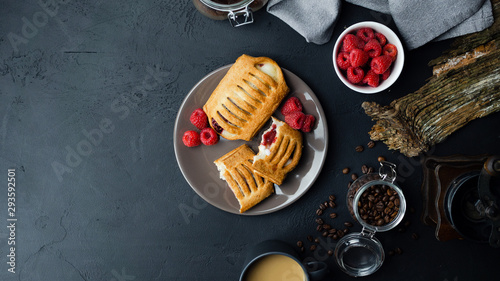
x=351 y=42
x=386 y=74
x=381 y=38
x=365 y=34
x=373 y=48
x=199 y=119
x=308 y=123
x=358 y=57
x=295 y=119
x=191 y=138
x=380 y=64
x=390 y=50
x=343 y=60
x=291 y=105
x=371 y=79
x=355 y=74
x=208 y=136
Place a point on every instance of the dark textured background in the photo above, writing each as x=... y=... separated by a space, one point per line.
x=115 y=213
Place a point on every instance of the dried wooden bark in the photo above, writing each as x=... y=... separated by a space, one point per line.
x=465 y=85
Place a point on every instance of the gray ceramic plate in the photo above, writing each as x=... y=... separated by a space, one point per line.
x=197 y=165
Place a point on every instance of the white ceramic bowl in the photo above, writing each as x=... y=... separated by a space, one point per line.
x=397 y=65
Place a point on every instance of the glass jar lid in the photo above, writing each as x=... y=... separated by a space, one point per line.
x=238 y=12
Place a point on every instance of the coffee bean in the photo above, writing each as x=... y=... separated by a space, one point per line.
x=319 y=212
x=325 y=234
x=398 y=251
x=322 y=207
x=331 y=197
x=359 y=148
x=325 y=204
x=354 y=176
x=381 y=159
x=300 y=244
x=335 y=237
x=316 y=240
x=370 y=144
x=332 y=231
x=340 y=234
x=326 y=226
x=345 y=230
x=345 y=171
x=333 y=215
x=319 y=221
x=391 y=253
x=302 y=249
x=348 y=224
x=330 y=253
x=319 y=227
x=312 y=248
x=370 y=170
x=364 y=169
x=331 y=204
x=414 y=236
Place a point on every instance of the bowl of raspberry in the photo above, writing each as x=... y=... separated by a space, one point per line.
x=368 y=57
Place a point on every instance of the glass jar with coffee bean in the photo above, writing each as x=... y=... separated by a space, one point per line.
x=378 y=204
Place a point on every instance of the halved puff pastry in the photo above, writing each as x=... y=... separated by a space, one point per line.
x=236 y=169
x=246 y=97
x=279 y=152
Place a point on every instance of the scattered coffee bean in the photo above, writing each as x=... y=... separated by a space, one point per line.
x=333 y=215
x=370 y=144
x=345 y=171
x=330 y=253
x=319 y=212
x=312 y=248
x=390 y=253
x=331 y=197
x=325 y=234
x=331 y=204
x=398 y=251
x=370 y=170
x=348 y=224
x=345 y=230
x=364 y=169
x=407 y=223
x=381 y=159
x=309 y=238
x=300 y=244
x=414 y=236
x=332 y=231
x=319 y=227
x=359 y=148
x=322 y=207
x=354 y=176
x=302 y=249
x=316 y=240
x=327 y=226
x=325 y=204
x=319 y=221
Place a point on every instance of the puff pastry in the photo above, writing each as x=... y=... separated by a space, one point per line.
x=279 y=152
x=246 y=97
x=235 y=168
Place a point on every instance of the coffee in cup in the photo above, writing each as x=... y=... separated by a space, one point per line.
x=275 y=267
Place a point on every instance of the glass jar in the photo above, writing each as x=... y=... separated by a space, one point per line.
x=239 y=12
x=377 y=204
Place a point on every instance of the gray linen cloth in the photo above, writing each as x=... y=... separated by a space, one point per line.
x=418 y=21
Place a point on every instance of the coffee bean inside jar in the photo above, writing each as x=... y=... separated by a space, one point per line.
x=376 y=201
x=378 y=205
